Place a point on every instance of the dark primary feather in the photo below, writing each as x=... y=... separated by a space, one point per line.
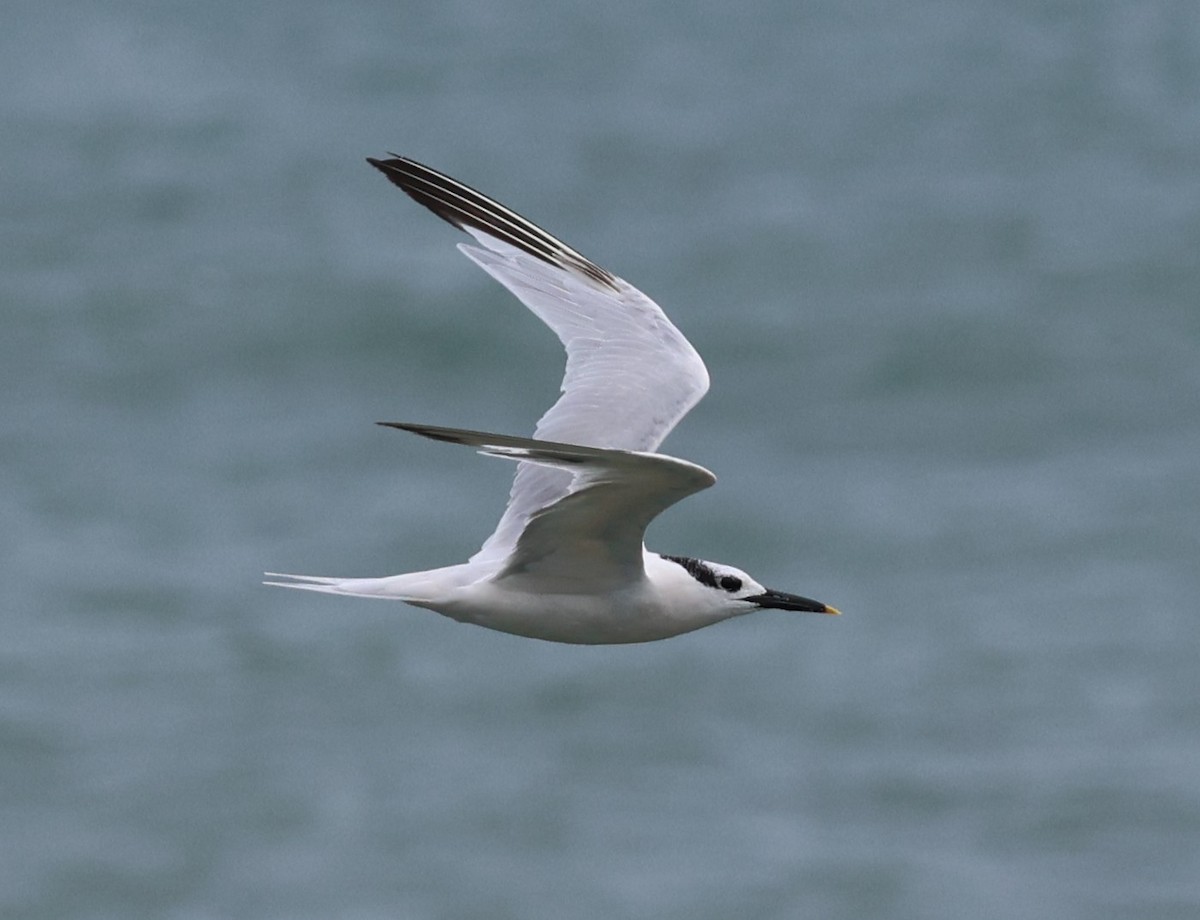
x=464 y=207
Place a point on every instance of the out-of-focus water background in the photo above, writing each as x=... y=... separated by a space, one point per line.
x=942 y=260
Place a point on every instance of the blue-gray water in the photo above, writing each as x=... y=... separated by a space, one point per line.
x=942 y=260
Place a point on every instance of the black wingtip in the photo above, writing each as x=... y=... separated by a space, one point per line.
x=393 y=168
x=462 y=206
x=400 y=426
x=383 y=165
x=419 y=183
x=433 y=432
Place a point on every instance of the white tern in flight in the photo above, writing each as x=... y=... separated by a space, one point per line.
x=567 y=563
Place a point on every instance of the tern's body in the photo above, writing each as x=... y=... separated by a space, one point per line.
x=665 y=602
x=566 y=562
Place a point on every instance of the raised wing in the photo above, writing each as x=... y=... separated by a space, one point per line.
x=630 y=374
x=589 y=539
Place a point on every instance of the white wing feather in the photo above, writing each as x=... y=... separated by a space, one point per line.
x=630 y=374
x=590 y=538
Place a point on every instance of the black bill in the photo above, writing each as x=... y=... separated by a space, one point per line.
x=778 y=600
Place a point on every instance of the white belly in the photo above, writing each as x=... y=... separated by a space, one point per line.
x=629 y=615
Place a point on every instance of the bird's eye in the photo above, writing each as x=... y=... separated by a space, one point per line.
x=731 y=583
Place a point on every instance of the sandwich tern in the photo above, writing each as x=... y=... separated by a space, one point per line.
x=566 y=562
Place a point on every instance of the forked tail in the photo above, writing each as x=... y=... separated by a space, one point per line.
x=351 y=587
x=421 y=588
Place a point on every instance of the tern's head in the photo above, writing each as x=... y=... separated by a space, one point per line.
x=731 y=590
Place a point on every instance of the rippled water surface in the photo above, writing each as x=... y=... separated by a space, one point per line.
x=942 y=263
